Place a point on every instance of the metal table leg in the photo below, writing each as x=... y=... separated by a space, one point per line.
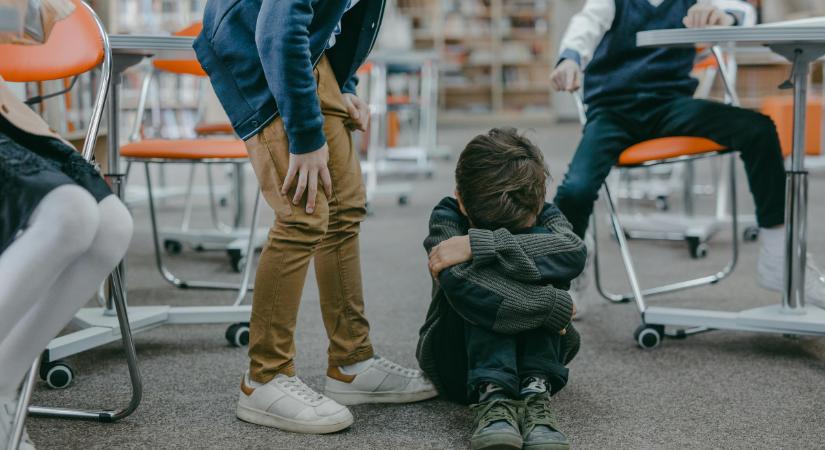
x=796 y=208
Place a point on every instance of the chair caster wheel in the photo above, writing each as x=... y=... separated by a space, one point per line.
x=172 y=246
x=649 y=336
x=662 y=204
x=697 y=248
x=751 y=234
x=403 y=200
x=57 y=375
x=237 y=334
x=236 y=260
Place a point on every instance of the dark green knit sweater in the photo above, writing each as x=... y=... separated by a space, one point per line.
x=515 y=282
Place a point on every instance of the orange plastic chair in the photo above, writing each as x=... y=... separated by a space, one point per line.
x=655 y=152
x=76 y=45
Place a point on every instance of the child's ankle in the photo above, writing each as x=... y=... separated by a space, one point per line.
x=532 y=385
x=490 y=391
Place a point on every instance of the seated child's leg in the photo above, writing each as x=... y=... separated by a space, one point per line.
x=491 y=358
x=541 y=366
x=605 y=137
x=492 y=380
x=540 y=356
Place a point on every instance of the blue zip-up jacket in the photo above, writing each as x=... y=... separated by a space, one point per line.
x=260 y=55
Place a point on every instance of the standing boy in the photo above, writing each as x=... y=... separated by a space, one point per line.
x=635 y=94
x=284 y=72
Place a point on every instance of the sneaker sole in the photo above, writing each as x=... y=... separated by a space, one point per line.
x=504 y=441
x=266 y=419
x=546 y=446
x=360 y=398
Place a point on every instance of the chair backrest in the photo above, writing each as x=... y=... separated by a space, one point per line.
x=76 y=45
x=182 y=66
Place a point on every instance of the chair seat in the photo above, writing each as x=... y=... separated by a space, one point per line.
x=667 y=148
x=185 y=149
x=214 y=128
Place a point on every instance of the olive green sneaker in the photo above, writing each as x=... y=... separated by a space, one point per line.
x=539 y=427
x=496 y=425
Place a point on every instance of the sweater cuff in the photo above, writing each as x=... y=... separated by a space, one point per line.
x=562 y=313
x=306 y=141
x=483 y=246
x=570 y=54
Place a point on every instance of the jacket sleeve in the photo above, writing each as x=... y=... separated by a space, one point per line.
x=486 y=299
x=553 y=254
x=350 y=85
x=282 y=37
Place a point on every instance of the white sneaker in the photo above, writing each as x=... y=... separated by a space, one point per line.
x=288 y=404
x=771 y=276
x=381 y=381
x=8 y=406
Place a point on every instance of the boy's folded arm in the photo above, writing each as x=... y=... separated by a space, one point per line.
x=552 y=254
x=495 y=302
x=446 y=221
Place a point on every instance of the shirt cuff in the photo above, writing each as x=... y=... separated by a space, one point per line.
x=570 y=54
x=482 y=244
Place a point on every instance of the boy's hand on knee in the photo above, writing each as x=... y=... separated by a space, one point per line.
x=359 y=112
x=703 y=15
x=309 y=167
x=566 y=76
x=455 y=250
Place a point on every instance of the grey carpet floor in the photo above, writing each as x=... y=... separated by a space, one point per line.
x=714 y=390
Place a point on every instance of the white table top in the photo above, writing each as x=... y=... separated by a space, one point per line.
x=152 y=45
x=810 y=31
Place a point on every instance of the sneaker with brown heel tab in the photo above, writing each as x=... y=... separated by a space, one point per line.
x=382 y=381
x=288 y=404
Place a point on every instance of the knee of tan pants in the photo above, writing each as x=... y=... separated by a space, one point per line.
x=300 y=228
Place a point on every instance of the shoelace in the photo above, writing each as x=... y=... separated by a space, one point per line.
x=411 y=373
x=496 y=410
x=295 y=385
x=539 y=412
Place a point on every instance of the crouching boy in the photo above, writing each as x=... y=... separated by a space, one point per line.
x=498 y=332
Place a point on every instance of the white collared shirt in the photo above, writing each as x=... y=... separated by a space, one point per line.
x=588 y=27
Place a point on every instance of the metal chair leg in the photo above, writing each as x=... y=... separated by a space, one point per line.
x=105 y=415
x=680 y=285
x=626 y=259
x=22 y=403
x=164 y=271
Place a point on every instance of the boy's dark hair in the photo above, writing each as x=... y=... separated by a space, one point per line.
x=502 y=180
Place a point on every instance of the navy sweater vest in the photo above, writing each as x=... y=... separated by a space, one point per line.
x=620 y=69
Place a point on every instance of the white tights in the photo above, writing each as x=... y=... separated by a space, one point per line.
x=52 y=269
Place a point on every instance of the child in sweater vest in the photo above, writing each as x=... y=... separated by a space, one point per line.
x=634 y=94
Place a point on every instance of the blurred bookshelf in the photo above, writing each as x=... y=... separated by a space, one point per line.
x=174 y=103
x=496 y=56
